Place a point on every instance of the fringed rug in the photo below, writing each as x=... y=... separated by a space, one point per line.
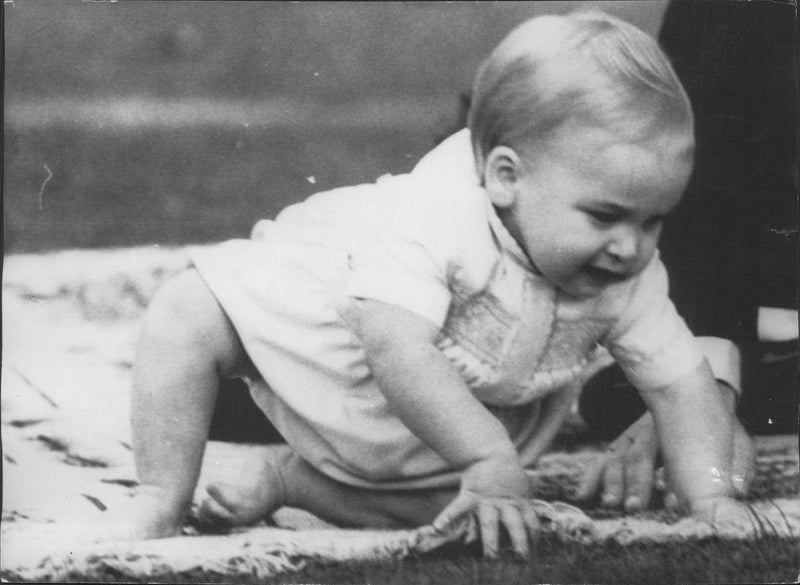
x=69 y=320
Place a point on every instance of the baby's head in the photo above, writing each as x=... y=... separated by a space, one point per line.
x=583 y=138
x=584 y=67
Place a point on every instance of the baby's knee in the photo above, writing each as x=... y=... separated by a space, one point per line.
x=184 y=316
x=181 y=303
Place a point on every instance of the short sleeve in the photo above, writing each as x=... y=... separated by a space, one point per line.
x=402 y=273
x=403 y=258
x=650 y=341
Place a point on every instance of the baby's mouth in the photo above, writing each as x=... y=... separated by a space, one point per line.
x=604 y=277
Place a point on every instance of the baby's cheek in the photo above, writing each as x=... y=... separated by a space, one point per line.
x=646 y=255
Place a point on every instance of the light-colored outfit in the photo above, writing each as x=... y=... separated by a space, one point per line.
x=451 y=165
x=429 y=242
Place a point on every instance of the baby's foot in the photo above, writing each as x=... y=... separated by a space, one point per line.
x=145 y=516
x=247 y=502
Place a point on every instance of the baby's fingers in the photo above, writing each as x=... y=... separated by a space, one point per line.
x=639 y=479
x=613 y=483
x=462 y=505
x=521 y=523
x=590 y=482
x=488 y=520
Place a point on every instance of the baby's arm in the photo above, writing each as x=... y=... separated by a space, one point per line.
x=625 y=474
x=695 y=431
x=431 y=398
x=694 y=426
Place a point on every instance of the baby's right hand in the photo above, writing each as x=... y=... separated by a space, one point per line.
x=497 y=491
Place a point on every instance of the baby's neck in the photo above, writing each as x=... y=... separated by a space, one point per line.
x=502 y=215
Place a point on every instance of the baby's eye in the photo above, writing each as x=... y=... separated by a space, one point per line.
x=654 y=222
x=605 y=217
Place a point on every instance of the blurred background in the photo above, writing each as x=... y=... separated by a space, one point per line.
x=133 y=123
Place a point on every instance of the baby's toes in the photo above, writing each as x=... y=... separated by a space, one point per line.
x=214 y=510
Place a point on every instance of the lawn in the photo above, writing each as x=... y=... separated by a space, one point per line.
x=76 y=179
x=710 y=561
x=115 y=187
x=555 y=562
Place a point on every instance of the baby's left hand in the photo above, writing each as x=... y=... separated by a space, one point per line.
x=727 y=516
x=625 y=474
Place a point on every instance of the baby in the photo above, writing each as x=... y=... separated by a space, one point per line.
x=419 y=340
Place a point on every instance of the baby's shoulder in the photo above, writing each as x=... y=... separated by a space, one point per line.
x=642 y=299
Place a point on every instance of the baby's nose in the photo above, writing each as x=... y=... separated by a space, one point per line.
x=624 y=247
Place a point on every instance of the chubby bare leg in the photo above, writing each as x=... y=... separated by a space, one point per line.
x=186 y=344
x=286 y=479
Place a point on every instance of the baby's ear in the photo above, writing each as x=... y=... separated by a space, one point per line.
x=501 y=176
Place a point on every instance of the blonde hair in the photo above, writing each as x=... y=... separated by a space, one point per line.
x=587 y=66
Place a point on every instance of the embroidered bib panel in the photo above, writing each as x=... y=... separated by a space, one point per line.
x=509 y=342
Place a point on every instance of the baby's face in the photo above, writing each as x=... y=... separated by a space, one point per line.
x=589 y=209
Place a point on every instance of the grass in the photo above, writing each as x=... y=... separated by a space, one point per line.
x=113 y=187
x=323 y=50
x=770 y=560
x=203 y=183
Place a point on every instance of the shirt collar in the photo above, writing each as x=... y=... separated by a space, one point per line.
x=504 y=237
x=452 y=163
x=501 y=233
